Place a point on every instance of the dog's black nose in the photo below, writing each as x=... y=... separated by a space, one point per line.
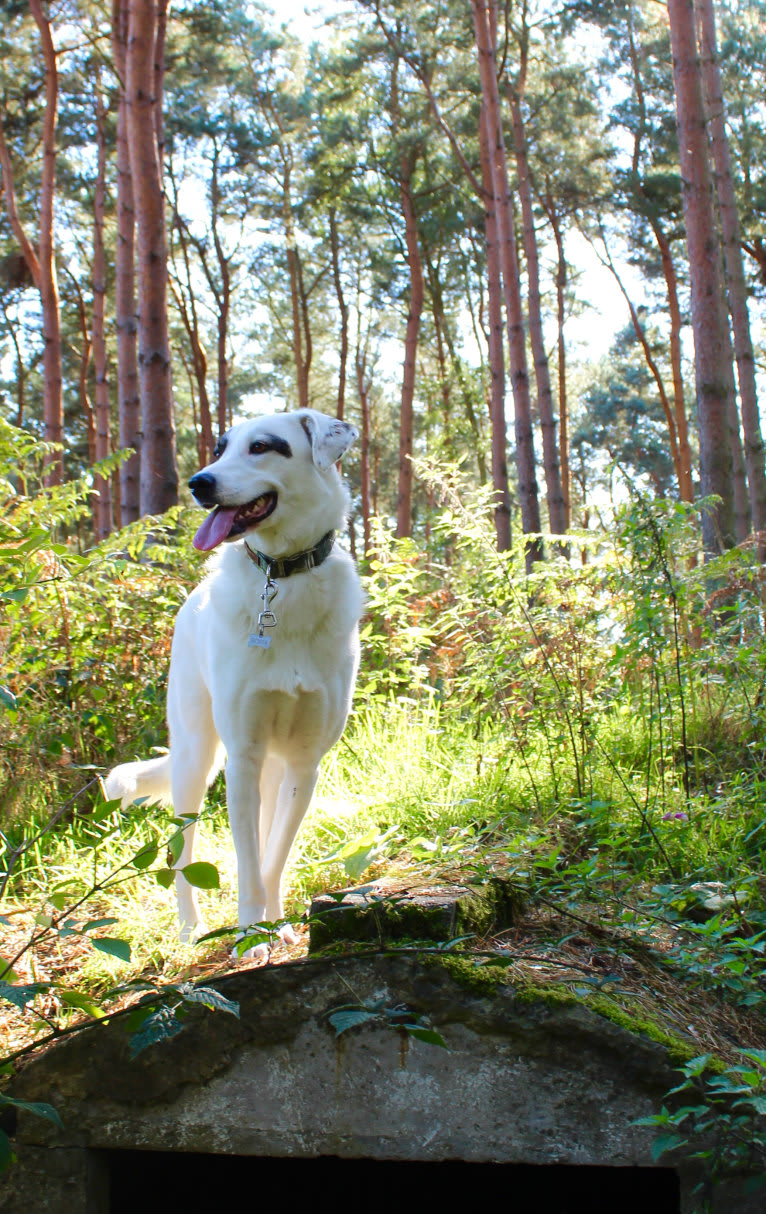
x=203 y=487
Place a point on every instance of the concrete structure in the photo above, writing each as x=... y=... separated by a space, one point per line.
x=525 y=1080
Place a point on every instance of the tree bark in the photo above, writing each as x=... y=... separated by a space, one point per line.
x=485 y=24
x=498 y=444
x=363 y=390
x=682 y=457
x=735 y=273
x=561 y=285
x=126 y=317
x=102 y=484
x=705 y=269
x=184 y=295
x=223 y=301
x=407 y=160
x=343 y=358
x=551 y=466
x=46 y=280
x=159 y=473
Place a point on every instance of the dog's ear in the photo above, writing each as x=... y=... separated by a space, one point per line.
x=330 y=438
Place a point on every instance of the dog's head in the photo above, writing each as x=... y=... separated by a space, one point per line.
x=277 y=475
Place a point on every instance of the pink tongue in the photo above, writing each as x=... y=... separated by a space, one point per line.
x=215 y=528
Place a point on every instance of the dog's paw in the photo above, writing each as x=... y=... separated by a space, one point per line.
x=190 y=933
x=287 y=934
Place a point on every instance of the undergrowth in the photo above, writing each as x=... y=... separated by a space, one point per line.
x=592 y=730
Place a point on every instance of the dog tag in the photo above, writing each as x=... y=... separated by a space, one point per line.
x=256 y=642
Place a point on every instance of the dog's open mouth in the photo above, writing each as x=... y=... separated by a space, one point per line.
x=227 y=522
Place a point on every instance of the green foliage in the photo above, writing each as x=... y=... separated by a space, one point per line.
x=401 y=1018
x=717 y=1117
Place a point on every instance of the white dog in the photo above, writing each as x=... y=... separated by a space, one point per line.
x=265 y=651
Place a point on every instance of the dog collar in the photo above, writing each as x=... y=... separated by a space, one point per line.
x=287 y=565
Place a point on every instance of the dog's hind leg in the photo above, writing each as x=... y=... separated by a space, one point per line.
x=196 y=757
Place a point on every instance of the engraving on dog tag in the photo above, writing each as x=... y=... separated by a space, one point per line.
x=254 y=641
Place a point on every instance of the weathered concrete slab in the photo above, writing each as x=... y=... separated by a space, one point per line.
x=525 y=1080
x=389 y=911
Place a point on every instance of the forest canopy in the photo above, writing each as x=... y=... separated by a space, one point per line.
x=467 y=227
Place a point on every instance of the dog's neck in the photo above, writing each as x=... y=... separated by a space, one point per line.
x=280 y=567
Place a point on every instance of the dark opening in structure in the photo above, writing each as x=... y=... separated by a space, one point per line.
x=153 y=1180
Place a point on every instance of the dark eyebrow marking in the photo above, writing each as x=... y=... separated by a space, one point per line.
x=280 y=445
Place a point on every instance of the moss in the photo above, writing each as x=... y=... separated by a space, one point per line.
x=679 y=1051
x=483 y=981
x=551 y=993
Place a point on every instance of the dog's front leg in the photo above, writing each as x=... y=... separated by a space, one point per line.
x=243 y=775
x=295 y=793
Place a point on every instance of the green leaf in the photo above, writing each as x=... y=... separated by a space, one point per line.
x=146 y=856
x=37 y=1107
x=251 y=940
x=82 y=1002
x=666 y=1142
x=160 y=1025
x=104 y=808
x=753 y=1102
x=430 y=1036
x=165 y=877
x=217 y=934
x=208 y=997
x=175 y=847
x=342 y=1020
x=202 y=874
x=115 y=948
x=22 y=994
x=92 y=924
x=6 y=972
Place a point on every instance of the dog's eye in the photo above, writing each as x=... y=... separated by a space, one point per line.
x=258 y=447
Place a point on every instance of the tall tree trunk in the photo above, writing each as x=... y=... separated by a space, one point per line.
x=433 y=278
x=561 y=286
x=551 y=467
x=293 y=270
x=102 y=484
x=686 y=474
x=126 y=313
x=185 y=297
x=485 y=24
x=406 y=413
x=363 y=390
x=159 y=473
x=682 y=457
x=343 y=358
x=223 y=300
x=53 y=407
x=499 y=460
x=86 y=405
x=407 y=160
x=735 y=273
x=651 y=363
x=705 y=269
